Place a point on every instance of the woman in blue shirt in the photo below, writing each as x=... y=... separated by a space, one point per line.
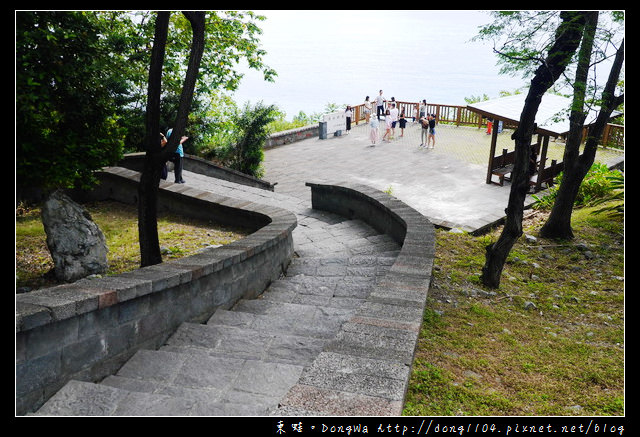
x=177 y=159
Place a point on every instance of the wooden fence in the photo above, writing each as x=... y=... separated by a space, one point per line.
x=613 y=135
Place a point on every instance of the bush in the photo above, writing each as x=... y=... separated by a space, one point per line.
x=599 y=183
x=244 y=149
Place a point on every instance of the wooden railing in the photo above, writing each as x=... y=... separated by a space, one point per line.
x=613 y=135
x=454 y=114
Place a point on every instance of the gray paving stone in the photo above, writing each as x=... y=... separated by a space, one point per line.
x=357 y=375
x=328 y=338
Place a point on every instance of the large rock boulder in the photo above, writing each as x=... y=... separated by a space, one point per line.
x=76 y=243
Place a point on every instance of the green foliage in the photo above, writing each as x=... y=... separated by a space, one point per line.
x=81 y=87
x=615 y=195
x=66 y=124
x=599 y=184
x=243 y=147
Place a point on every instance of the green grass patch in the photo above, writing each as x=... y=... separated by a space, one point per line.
x=179 y=236
x=485 y=352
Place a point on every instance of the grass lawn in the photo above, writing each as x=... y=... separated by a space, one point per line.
x=179 y=236
x=548 y=342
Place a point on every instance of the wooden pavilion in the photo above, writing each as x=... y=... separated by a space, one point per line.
x=552 y=120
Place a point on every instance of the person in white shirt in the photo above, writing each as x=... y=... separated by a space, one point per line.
x=373 y=132
x=348 y=115
x=367 y=109
x=393 y=117
x=380 y=104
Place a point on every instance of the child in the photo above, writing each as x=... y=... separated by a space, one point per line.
x=403 y=123
x=432 y=131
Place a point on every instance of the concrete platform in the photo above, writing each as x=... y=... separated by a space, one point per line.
x=446 y=184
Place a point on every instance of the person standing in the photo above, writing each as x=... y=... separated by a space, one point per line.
x=177 y=159
x=402 y=122
x=423 y=109
x=393 y=115
x=432 y=130
x=348 y=114
x=367 y=109
x=387 y=122
x=380 y=104
x=374 y=134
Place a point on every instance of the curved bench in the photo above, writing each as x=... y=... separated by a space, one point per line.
x=383 y=334
x=86 y=330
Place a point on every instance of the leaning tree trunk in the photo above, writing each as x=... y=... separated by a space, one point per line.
x=567 y=40
x=496 y=253
x=156 y=155
x=150 y=177
x=558 y=225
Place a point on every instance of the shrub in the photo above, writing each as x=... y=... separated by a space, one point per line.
x=599 y=183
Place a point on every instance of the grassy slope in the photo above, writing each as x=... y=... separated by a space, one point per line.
x=491 y=352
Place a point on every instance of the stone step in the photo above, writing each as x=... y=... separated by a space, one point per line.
x=206 y=402
x=366 y=265
x=192 y=374
x=79 y=398
x=231 y=335
x=333 y=292
x=117 y=396
x=294 y=319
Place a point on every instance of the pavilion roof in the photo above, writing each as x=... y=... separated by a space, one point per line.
x=552 y=117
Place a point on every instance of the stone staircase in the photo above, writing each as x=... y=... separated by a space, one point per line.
x=245 y=360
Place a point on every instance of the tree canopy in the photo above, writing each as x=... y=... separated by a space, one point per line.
x=66 y=123
x=553 y=45
x=81 y=86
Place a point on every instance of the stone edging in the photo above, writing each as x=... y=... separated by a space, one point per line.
x=382 y=336
x=87 y=329
x=292 y=135
x=195 y=164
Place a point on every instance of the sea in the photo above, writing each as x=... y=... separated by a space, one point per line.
x=339 y=57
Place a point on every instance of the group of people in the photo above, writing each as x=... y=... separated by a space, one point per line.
x=393 y=118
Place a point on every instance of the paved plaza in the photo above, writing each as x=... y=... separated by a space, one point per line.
x=446 y=184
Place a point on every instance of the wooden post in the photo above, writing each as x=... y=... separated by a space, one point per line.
x=494 y=141
x=543 y=159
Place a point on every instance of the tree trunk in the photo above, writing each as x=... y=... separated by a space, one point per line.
x=496 y=253
x=558 y=225
x=150 y=177
x=156 y=155
x=566 y=42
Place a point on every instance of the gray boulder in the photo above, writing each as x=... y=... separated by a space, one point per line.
x=76 y=243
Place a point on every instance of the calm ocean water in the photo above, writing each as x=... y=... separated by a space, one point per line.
x=342 y=56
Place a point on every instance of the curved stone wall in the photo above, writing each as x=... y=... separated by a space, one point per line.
x=86 y=330
x=385 y=329
x=195 y=164
x=407 y=282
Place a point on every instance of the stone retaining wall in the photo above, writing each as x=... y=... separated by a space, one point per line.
x=407 y=282
x=195 y=164
x=292 y=135
x=384 y=330
x=88 y=329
